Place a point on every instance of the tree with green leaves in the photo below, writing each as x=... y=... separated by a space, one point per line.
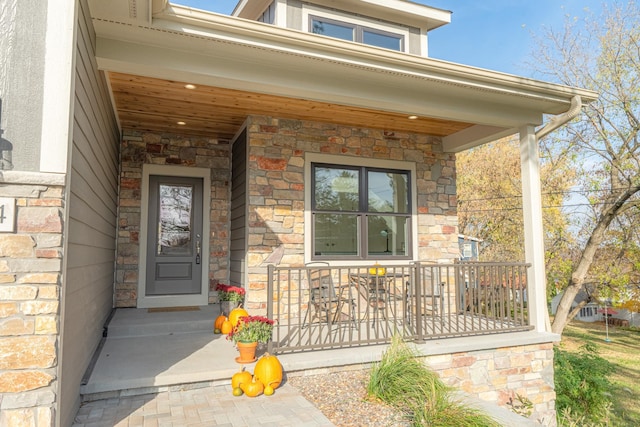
x=602 y=54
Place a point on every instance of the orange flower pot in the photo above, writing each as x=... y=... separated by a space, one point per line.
x=247 y=352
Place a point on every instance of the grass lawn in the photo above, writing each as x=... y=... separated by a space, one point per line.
x=623 y=350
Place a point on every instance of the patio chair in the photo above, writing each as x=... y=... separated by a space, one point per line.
x=373 y=289
x=325 y=304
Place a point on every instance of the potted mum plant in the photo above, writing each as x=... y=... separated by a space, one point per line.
x=230 y=297
x=250 y=331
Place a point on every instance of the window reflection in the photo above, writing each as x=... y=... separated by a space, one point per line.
x=367 y=223
x=388 y=192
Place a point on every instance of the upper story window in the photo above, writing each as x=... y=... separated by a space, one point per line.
x=356 y=33
x=354 y=28
x=360 y=212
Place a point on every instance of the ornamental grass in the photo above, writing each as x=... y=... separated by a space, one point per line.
x=401 y=379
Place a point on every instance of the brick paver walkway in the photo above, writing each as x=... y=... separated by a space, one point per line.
x=208 y=406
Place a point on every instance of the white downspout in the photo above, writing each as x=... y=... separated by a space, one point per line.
x=557 y=121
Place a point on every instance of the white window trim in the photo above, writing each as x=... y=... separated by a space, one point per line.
x=351 y=19
x=359 y=162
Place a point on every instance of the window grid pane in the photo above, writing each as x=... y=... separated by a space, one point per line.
x=335 y=234
x=360 y=218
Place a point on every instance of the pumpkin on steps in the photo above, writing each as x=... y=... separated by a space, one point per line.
x=268 y=390
x=217 y=325
x=241 y=377
x=269 y=371
x=236 y=314
x=252 y=389
x=227 y=327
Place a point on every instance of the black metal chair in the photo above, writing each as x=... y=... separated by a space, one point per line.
x=325 y=304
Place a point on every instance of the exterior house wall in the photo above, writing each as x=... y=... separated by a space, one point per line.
x=91 y=225
x=30 y=283
x=140 y=148
x=295 y=17
x=22 y=29
x=277 y=149
x=502 y=375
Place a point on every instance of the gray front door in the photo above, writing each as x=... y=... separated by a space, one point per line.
x=174 y=240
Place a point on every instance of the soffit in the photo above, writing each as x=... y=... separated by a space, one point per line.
x=151 y=104
x=254 y=68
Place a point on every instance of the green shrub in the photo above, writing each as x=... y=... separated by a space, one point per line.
x=401 y=379
x=582 y=385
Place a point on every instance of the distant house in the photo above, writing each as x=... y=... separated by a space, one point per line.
x=154 y=150
x=469 y=248
x=593 y=310
x=588 y=313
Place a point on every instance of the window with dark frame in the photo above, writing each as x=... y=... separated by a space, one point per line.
x=356 y=33
x=360 y=213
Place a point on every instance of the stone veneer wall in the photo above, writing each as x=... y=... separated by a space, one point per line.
x=496 y=375
x=140 y=148
x=30 y=278
x=501 y=375
x=277 y=150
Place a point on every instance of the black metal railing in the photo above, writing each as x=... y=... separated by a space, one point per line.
x=319 y=306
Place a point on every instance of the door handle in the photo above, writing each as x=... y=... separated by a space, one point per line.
x=159 y=238
x=197 y=249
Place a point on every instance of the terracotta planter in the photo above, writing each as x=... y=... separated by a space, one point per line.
x=247 y=352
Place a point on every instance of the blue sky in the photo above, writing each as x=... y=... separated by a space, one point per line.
x=492 y=34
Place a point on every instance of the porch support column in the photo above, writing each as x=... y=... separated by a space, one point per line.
x=533 y=230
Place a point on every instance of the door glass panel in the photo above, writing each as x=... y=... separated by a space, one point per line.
x=175 y=223
x=387 y=235
x=388 y=192
x=335 y=234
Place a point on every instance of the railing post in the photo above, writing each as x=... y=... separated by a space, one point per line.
x=270 y=273
x=418 y=303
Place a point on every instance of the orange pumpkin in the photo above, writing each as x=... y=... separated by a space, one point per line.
x=236 y=314
x=269 y=371
x=218 y=323
x=241 y=377
x=226 y=327
x=252 y=389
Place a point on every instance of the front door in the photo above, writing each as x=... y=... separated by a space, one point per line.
x=174 y=243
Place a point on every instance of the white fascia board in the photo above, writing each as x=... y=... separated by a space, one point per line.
x=211 y=25
x=131 y=11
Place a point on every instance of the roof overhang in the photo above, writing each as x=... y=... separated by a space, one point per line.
x=188 y=45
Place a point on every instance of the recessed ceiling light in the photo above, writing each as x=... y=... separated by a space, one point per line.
x=181 y=123
x=412 y=117
x=189 y=86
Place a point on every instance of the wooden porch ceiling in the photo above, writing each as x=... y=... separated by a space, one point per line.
x=156 y=105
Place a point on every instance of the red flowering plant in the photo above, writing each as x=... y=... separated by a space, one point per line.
x=230 y=293
x=252 y=329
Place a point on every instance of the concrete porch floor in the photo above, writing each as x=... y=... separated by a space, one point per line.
x=167 y=362
x=150 y=352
